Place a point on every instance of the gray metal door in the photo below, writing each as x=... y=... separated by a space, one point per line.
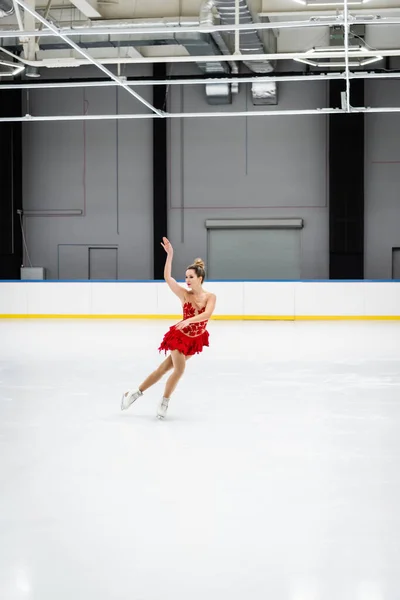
x=254 y=254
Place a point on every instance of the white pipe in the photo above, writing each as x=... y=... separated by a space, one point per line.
x=346 y=49
x=150 y=82
x=363 y=11
x=18 y=15
x=169 y=29
x=134 y=29
x=29 y=44
x=87 y=56
x=377 y=109
x=272 y=113
x=261 y=113
x=237 y=31
x=71 y=62
x=119 y=117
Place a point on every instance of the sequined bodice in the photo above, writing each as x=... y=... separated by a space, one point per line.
x=193 y=329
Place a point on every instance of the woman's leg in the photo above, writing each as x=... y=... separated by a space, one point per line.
x=156 y=375
x=179 y=364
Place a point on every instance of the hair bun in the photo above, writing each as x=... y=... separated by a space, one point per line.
x=199 y=263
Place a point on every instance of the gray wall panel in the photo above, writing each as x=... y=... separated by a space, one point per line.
x=106 y=165
x=218 y=168
x=382 y=180
x=249 y=168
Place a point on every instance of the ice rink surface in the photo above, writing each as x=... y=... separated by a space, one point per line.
x=275 y=476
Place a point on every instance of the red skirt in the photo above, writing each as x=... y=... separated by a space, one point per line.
x=175 y=339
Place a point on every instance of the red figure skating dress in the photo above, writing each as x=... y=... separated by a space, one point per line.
x=189 y=340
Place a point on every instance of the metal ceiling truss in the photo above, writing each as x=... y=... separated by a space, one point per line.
x=87 y=56
x=345 y=20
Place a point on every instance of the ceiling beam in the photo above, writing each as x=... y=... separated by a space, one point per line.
x=204 y=115
x=87 y=8
x=201 y=81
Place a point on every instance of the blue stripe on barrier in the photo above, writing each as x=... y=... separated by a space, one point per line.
x=207 y=281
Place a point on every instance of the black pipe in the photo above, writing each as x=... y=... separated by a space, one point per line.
x=11 y=186
x=346 y=185
x=160 y=191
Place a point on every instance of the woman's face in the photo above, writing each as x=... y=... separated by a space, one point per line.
x=192 y=281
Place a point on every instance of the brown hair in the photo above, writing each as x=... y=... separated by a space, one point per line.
x=198 y=267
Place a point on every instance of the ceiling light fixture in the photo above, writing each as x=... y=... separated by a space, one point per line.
x=311 y=58
x=327 y=65
x=330 y=3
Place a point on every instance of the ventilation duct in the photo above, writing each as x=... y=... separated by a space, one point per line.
x=202 y=44
x=6 y=8
x=264 y=93
x=195 y=43
x=218 y=93
x=250 y=40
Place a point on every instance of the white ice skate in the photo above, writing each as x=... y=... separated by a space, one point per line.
x=162 y=408
x=129 y=398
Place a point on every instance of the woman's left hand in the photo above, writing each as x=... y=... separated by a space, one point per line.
x=181 y=325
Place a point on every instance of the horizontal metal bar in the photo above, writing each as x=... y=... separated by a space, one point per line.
x=377 y=109
x=53 y=213
x=255 y=57
x=167 y=30
x=363 y=11
x=64 y=63
x=122 y=117
x=204 y=115
x=171 y=29
x=254 y=224
x=200 y=81
x=150 y=82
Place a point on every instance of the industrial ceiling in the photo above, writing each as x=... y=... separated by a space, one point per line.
x=227 y=43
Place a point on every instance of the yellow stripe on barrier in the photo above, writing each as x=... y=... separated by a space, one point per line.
x=215 y=317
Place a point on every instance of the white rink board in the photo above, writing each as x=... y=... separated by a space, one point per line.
x=235 y=300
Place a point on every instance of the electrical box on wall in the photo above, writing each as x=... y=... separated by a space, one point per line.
x=36 y=273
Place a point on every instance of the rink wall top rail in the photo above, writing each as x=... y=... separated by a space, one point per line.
x=236 y=300
x=207 y=281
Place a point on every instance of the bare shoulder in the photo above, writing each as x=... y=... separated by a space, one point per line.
x=210 y=296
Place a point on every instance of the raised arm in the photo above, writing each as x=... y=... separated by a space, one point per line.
x=174 y=287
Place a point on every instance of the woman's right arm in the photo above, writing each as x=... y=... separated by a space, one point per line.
x=173 y=285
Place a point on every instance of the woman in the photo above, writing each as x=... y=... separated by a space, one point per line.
x=186 y=338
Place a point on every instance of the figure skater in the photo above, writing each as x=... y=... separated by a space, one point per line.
x=186 y=338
